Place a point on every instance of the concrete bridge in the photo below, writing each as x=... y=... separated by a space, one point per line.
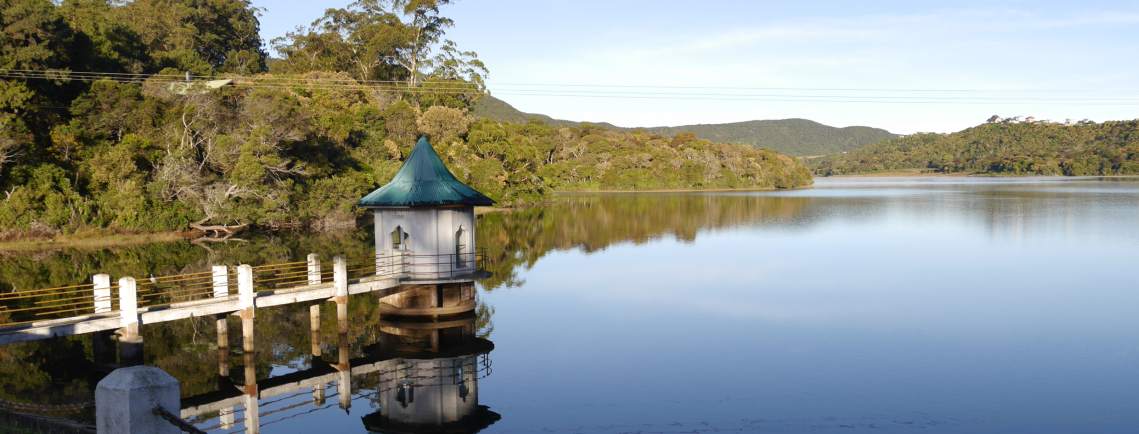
x=131 y=303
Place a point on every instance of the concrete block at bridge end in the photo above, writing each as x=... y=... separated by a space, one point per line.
x=125 y=401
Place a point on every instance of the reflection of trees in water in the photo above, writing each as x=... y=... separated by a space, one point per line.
x=517 y=239
x=60 y=371
x=28 y=270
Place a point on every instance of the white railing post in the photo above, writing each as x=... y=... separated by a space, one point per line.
x=130 y=337
x=340 y=276
x=313 y=269
x=128 y=303
x=221 y=291
x=221 y=281
x=340 y=282
x=246 y=302
x=245 y=294
x=407 y=264
x=344 y=380
x=102 y=293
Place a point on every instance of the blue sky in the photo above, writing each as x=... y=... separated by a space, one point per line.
x=905 y=66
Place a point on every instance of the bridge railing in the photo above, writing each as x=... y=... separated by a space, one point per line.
x=28 y=306
x=416 y=266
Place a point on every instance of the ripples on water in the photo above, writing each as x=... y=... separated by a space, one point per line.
x=861 y=305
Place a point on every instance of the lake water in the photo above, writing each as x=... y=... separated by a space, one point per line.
x=936 y=305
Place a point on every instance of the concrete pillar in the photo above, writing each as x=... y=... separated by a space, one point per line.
x=245 y=285
x=130 y=336
x=314 y=333
x=125 y=401
x=245 y=295
x=340 y=280
x=313 y=269
x=344 y=382
x=247 y=344
x=246 y=302
x=221 y=291
x=223 y=346
x=344 y=376
x=102 y=346
x=314 y=329
x=252 y=406
x=226 y=417
x=318 y=394
x=252 y=415
x=102 y=293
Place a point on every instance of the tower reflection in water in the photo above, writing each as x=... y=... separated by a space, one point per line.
x=433 y=370
x=420 y=376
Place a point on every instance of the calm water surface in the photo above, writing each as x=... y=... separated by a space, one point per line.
x=862 y=305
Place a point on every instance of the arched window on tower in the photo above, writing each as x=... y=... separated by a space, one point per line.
x=405 y=393
x=459 y=247
x=399 y=238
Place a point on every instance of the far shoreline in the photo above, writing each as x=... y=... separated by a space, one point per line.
x=95 y=239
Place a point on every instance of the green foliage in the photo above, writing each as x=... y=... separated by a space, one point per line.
x=201 y=36
x=1005 y=148
x=286 y=148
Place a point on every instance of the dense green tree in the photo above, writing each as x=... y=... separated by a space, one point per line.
x=360 y=39
x=1005 y=147
x=199 y=36
x=33 y=36
x=293 y=148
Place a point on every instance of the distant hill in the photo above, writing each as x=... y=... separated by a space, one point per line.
x=790 y=136
x=1005 y=148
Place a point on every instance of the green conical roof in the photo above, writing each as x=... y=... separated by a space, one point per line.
x=424 y=181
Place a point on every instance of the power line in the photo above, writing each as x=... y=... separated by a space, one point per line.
x=645 y=92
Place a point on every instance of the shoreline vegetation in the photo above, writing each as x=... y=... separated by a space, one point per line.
x=99 y=239
x=207 y=130
x=1000 y=147
x=135 y=117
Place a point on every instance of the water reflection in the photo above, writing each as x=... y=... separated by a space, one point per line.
x=415 y=376
x=396 y=374
x=851 y=299
x=432 y=386
x=514 y=241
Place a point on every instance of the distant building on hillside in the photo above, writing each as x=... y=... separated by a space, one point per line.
x=197 y=87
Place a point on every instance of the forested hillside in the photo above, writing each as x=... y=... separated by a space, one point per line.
x=790 y=136
x=151 y=115
x=1002 y=147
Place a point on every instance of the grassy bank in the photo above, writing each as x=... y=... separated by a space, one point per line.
x=90 y=240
